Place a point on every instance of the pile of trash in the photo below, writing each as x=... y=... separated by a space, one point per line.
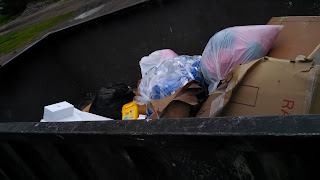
x=232 y=77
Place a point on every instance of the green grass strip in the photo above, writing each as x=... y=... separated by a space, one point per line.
x=4 y=19
x=13 y=40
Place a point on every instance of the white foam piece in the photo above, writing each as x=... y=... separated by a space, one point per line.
x=141 y=116
x=61 y=112
x=58 y=111
x=85 y=116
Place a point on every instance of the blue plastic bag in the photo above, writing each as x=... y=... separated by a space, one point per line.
x=166 y=78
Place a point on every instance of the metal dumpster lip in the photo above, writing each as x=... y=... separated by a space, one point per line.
x=294 y=125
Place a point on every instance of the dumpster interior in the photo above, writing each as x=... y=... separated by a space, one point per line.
x=74 y=63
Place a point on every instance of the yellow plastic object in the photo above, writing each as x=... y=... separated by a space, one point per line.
x=130 y=111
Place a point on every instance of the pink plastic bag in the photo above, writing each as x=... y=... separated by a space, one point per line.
x=154 y=59
x=233 y=46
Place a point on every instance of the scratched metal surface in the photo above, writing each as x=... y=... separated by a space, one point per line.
x=276 y=147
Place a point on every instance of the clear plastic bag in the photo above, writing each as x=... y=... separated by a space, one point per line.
x=166 y=78
x=233 y=46
x=154 y=59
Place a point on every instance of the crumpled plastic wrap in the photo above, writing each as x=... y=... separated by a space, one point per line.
x=154 y=59
x=233 y=46
x=166 y=78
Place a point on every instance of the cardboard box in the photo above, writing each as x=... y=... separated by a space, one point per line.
x=177 y=109
x=182 y=104
x=267 y=86
x=299 y=36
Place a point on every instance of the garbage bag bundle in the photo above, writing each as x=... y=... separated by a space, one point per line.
x=166 y=78
x=233 y=46
x=110 y=99
x=154 y=59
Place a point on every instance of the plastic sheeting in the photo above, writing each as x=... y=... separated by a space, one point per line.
x=154 y=59
x=233 y=46
x=166 y=78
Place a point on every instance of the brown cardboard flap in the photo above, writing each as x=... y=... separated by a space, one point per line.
x=315 y=55
x=218 y=99
x=267 y=86
x=299 y=36
x=177 y=109
x=247 y=95
x=188 y=94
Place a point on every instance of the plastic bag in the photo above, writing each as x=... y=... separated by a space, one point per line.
x=233 y=46
x=166 y=78
x=154 y=59
x=110 y=99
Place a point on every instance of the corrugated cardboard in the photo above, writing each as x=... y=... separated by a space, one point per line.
x=181 y=104
x=299 y=36
x=267 y=86
x=177 y=109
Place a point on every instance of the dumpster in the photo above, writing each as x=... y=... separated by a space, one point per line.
x=72 y=64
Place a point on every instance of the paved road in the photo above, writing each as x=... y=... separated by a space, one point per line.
x=77 y=6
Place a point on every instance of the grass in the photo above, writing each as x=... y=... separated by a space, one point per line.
x=13 y=40
x=4 y=19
